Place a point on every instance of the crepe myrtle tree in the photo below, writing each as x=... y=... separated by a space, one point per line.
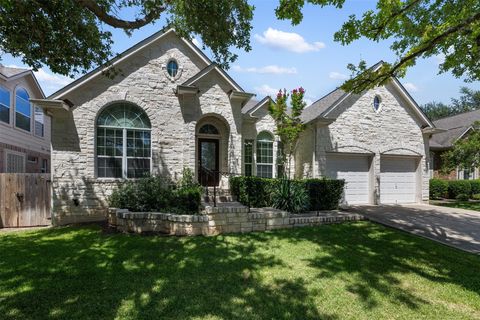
x=465 y=153
x=289 y=126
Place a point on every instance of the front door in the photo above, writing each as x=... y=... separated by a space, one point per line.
x=208 y=162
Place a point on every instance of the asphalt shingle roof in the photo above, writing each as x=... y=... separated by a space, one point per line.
x=316 y=109
x=455 y=125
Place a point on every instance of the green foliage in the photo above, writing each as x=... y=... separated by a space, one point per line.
x=469 y=100
x=416 y=29
x=458 y=187
x=289 y=126
x=476 y=196
x=291 y=196
x=465 y=152
x=475 y=186
x=438 y=189
x=70 y=38
x=323 y=194
x=158 y=194
x=462 y=197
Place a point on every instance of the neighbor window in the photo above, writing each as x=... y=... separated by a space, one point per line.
x=265 y=155
x=44 y=168
x=248 y=157
x=4 y=105
x=23 y=111
x=39 y=122
x=172 y=68
x=15 y=162
x=123 y=142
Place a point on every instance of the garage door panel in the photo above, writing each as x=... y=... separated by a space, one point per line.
x=398 y=180
x=355 y=171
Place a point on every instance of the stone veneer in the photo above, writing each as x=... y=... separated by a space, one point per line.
x=359 y=129
x=220 y=220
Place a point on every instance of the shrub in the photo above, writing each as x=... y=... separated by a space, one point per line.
x=324 y=194
x=438 y=188
x=158 y=194
x=291 y=196
x=457 y=187
x=475 y=186
x=476 y=196
x=462 y=197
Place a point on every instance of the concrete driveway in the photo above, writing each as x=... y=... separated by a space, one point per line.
x=454 y=227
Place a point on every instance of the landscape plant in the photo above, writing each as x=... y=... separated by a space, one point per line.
x=161 y=194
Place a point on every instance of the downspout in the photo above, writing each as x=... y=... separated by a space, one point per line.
x=314 y=164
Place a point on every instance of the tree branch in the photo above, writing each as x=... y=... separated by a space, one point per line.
x=380 y=77
x=380 y=29
x=101 y=14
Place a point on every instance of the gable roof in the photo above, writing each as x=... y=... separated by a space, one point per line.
x=11 y=73
x=207 y=70
x=456 y=127
x=253 y=105
x=322 y=107
x=124 y=55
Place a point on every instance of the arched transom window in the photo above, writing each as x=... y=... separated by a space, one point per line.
x=123 y=142
x=265 y=155
x=208 y=129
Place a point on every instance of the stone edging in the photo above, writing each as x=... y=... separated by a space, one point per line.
x=232 y=221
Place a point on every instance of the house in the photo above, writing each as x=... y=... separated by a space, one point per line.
x=169 y=107
x=455 y=127
x=24 y=128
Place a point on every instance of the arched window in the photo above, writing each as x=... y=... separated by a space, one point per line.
x=208 y=129
x=265 y=155
x=23 y=110
x=4 y=105
x=172 y=68
x=123 y=142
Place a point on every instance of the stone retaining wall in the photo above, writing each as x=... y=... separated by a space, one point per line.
x=236 y=220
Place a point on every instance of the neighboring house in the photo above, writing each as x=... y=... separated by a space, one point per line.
x=455 y=127
x=170 y=107
x=24 y=128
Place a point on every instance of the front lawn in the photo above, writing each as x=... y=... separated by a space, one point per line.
x=348 y=271
x=469 y=205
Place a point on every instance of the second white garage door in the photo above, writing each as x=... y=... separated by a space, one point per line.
x=398 y=180
x=355 y=171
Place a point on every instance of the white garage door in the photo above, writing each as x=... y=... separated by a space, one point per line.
x=398 y=180
x=355 y=171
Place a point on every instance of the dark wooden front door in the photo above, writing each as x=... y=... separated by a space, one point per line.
x=208 y=160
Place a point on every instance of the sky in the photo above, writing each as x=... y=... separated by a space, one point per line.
x=286 y=56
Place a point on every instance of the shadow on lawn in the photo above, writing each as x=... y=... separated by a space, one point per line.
x=80 y=273
x=84 y=274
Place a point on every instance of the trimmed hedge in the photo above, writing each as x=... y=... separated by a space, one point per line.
x=475 y=185
x=324 y=194
x=438 y=189
x=157 y=194
x=459 y=187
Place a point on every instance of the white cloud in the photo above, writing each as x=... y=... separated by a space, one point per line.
x=410 y=87
x=439 y=58
x=337 y=76
x=288 y=41
x=266 y=90
x=48 y=81
x=308 y=101
x=271 y=69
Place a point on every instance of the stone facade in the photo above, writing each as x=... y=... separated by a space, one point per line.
x=175 y=119
x=221 y=220
x=79 y=195
x=359 y=129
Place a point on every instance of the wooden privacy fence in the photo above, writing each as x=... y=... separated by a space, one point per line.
x=24 y=199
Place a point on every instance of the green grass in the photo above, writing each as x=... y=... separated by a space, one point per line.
x=460 y=204
x=348 y=271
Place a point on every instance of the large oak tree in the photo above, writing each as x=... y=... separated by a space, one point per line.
x=69 y=36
